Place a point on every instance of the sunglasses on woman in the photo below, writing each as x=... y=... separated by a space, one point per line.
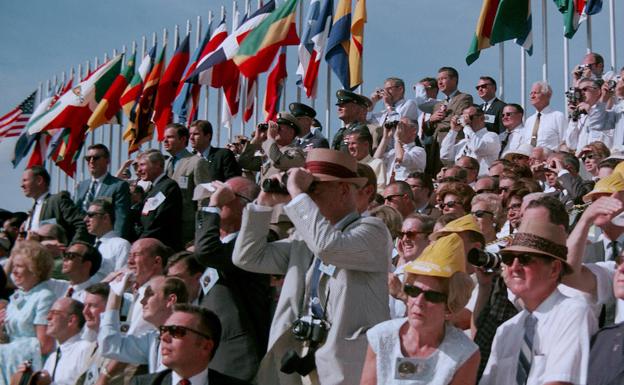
x=177 y=332
x=449 y=204
x=481 y=213
x=430 y=295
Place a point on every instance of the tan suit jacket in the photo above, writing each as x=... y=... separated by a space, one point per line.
x=455 y=106
x=356 y=292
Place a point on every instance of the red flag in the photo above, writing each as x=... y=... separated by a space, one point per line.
x=275 y=85
x=252 y=85
x=167 y=88
x=37 y=158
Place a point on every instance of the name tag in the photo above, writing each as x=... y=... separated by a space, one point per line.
x=183 y=182
x=327 y=269
x=490 y=118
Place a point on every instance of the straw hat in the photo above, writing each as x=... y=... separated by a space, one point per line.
x=331 y=165
x=607 y=185
x=442 y=258
x=465 y=223
x=523 y=149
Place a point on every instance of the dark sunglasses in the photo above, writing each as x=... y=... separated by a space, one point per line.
x=587 y=156
x=524 y=259
x=178 y=332
x=70 y=255
x=391 y=197
x=505 y=114
x=478 y=87
x=94 y=158
x=485 y=190
x=92 y=214
x=410 y=234
x=430 y=295
x=481 y=213
x=449 y=204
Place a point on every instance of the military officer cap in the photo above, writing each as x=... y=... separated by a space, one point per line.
x=289 y=120
x=300 y=109
x=346 y=96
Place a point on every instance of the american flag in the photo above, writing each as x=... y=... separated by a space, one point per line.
x=13 y=122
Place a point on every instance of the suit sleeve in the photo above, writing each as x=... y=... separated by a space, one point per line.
x=209 y=249
x=248 y=160
x=285 y=158
x=121 y=201
x=72 y=217
x=575 y=186
x=231 y=168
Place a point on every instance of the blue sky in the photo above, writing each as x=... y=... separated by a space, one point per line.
x=405 y=38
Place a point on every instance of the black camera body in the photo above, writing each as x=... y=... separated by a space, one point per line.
x=263 y=127
x=391 y=125
x=310 y=328
x=277 y=186
x=484 y=259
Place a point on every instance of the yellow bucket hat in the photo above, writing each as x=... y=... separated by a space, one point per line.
x=442 y=258
x=607 y=185
x=465 y=223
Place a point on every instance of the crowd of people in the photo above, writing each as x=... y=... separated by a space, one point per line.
x=433 y=240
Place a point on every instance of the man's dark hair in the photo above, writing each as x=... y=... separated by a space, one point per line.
x=570 y=161
x=431 y=82
x=42 y=172
x=188 y=259
x=91 y=255
x=177 y=287
x=489 y=79
x=100 y=289
x=209 y=323
x=516 y=107
x=557 y=213
x=365 y=171
x=403 y=188
x=100 y=147
x=474 y=164
x=76 y=308
x=396 y=82
x=363 y=134
x=452 y=72
x=598 y=58
x=424 y=179
x=106 y=206
x=204 y=126
x=180 y=129
x=609 y=163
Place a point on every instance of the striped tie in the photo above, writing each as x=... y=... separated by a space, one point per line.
x=526 y=350
x=90 y=195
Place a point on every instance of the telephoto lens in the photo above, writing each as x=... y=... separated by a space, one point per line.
x=484 y=259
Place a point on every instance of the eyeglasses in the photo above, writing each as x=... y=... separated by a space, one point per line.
x=53 y=313
x=177 y=332
x=449 y=204
x=390 y=87
x=92 y=214
x=391 y=197
x=484 y=190
x=587 y=156
x=506 y=114
x=94 y=158
x=481 y=213
x=479 y=86
x=430 y=295
x=587 y=89
x=523 y=259
x=410 y=234
x=416 y=186
x=243 y=197
x=70 y=255
x=514 y=206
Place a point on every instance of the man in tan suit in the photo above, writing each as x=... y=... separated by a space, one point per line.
x=335 y=266
x=187 y=171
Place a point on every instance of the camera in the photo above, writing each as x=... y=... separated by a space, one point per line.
x=574 y=95
x=484 y=259
x=580 y=69
x=263 y=127
x=313 y=330
x=613 y=82
x=277 y=186
x=391 y=125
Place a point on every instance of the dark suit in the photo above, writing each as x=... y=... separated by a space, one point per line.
x=222 y=165
x=119 y=192
x=241 y=299
x=60 y=209
x=164 y=378
x=164 y=222
x=576 y=187
x=495 y=108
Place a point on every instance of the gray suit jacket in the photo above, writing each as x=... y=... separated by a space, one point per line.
x=119 y=192
x=356 y=293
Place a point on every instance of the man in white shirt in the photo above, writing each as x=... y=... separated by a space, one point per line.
x=513 y=136
x=359 y=144
x=100 y=218
x=545 y=128
x=406 y=157
x=548 y=341
x=71 y=358
x=395 y=104
x=478 y=142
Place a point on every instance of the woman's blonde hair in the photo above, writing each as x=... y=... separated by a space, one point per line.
x=38 y=259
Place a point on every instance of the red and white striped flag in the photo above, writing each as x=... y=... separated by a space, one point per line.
x=14 y=122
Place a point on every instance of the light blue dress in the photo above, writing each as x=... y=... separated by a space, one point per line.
x=25 y=310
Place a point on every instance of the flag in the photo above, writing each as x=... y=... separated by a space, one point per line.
x=110 y=104
x=227 y=76
x=261 y=45
x=13 y=122
x=167 y=88
x=250 y=96
x=274 y=87
x=481 y=39
x=320 y=32
x=188 y=93
x=514 y=21
x=218 y=36
x=306 y=45
x=575 y=12
x=132 y=93
x=37 y=158
x=74 y=108
x=229 y=47
x=337 y=54
x=357 y=44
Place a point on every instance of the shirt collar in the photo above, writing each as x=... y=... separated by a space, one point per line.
x=606 y=241
x=200 y=378
x=158 y=178
x=42 y=197
x=229 y=237
x=100 y=179
x=109 y=235
x=70 y=341
x=206 y=152
x=346 y=220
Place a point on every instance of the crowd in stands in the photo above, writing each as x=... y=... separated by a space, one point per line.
x=441 y=239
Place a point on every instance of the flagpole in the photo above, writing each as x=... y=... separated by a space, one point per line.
x=176 y=37
x=243 y=100
x=110 y=125
x=566 y=65
x=102 y=136
x=256 y=100
x=612 y=33
x=544 y=41
x=219 y=98
x=522 y=77
x=299 y=31
x=120 y=143
x=501 y=70
x=83 y=166
x=240 y=100
x=95 y=65
x=327 y=102
x=589 y=33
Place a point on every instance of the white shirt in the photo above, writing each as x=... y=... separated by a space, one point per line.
x=618 y=118
x=414 y=159
x=36 y=214
x=560 y=345
x=379 y=168
x=482 y=145
x=597 y=125
x=60 y=287
x=114 y=250
x=515 y=139
x=200 y=378
x=551 y=132
x=74 y=360
x=407 y=108
x=138 y=324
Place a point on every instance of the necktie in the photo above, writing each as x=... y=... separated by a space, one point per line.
x=56 y=361
x=614 y=251
x=484 y=107
x=526 y=350
x=32 y=216
x=184 y=381
x=315 y=302
x=90 y=195
x=171 y=166
x=70 y=292
x=535 y=129
x=504 y=144
x=97 y=244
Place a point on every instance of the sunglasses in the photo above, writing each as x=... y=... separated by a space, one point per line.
x=506 y=114
x=92 y=214
x=391 y=197
x=94 y=158
x=482 y=86
x=587 y=156
x=515 y=206
x=70 y=255
x=484 y=190
x=481 y=213
x=410 y=234
x=177 y=332
x=524 y=259
x=430 y=295
x=449 y=204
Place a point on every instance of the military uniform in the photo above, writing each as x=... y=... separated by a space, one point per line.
x=313 y=139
